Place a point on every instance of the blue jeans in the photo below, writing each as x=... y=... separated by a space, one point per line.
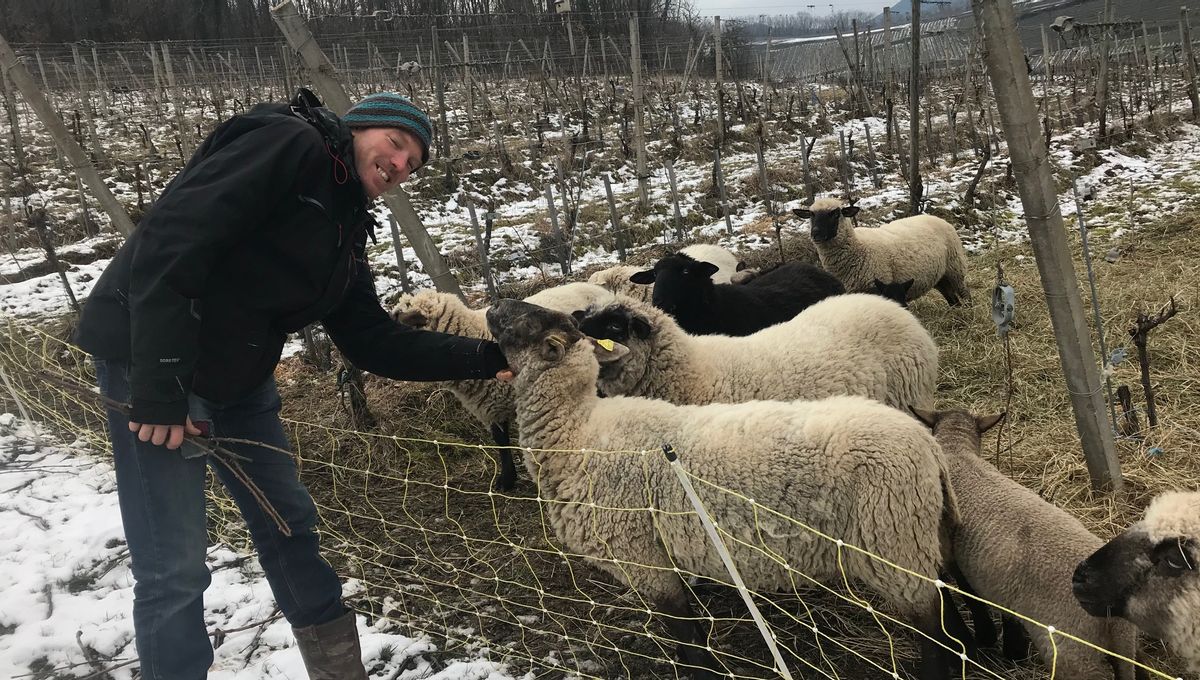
x=162 y=502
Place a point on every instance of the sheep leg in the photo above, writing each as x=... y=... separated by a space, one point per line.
x=935 y=657
x=1016 y=641
x=981 y=614
x=676 y=613
x=953 y=290
x=957 y=627
x=508 y=469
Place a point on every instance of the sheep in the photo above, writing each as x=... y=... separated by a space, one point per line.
x=849 y=467
x=1150 y=575
x=489 y=401
x=923 y=248
x=683 y=288
x=617 y=280
x=848 y=344
x=1018 y=551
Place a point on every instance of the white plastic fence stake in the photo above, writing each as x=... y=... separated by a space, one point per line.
x=723 y=551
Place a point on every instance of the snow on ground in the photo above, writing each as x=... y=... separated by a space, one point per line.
x=64 y=573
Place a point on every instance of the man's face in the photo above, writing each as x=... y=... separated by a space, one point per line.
x=385 y=157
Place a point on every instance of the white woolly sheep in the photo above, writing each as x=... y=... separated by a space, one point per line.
x=1018 y=551
x=849 y=467
x=617 y=280
x=489 y=401
x=847 y=344
x=923 y=248
x=1150 y=575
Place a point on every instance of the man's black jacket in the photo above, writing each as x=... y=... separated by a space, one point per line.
x=262 y=233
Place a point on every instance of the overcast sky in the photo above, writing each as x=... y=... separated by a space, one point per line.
x=735 y=8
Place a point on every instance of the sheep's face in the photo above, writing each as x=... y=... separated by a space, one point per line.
x=537 y=338
x=1150 y=574
x=825 y=219
x=897 y=292
x=680 y=282
x=614 y=322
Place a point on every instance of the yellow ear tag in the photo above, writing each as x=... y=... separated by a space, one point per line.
x=606 y=344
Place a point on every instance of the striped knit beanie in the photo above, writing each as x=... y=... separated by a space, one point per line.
x=388 y=109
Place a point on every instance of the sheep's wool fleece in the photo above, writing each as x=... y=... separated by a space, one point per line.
x=846 y=466
x=726 y=262
x=923 y=248
x=1019 y=551
x=846 y=344
x=617 y=280
x=489 y=401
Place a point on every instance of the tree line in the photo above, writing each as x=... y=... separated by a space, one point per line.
x=62 y=21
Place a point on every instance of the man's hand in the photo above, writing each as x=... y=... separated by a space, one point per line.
x=505 y=376
x=171 y=435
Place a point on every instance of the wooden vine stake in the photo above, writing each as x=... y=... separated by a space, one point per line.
x=1140 y=334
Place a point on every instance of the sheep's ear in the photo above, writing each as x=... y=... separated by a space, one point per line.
x=925 y=416
x=802 y=213
x=705 y=269
x=412 y=318
x=640 y=326
x=608 y=351
x=642 y=277
x=985 y=423
x=850 y=210
x=554 y=346
x=578 y=315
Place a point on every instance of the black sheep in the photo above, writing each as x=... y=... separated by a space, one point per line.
x=683 y=288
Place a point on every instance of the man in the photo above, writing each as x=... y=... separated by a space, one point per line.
x=263 y=232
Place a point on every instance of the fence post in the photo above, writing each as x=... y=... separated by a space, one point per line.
x=483 y=254
x=401 y=264
x=720 y=177
x=639 y=121
x=675 y=199
x=1186 y=33
x=298 y=36
x=564 y=260
x=612 y=216
x=1039 y=197
x=176 y=98
x=915 y=188
x=14 y=125
x=719 y=89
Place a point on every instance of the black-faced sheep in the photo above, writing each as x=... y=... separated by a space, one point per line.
x=847 y=344
x=490 y=401
x=617 y=280
x=1018 y=551
x=683 y=288
x=849 y=467
x=923 y=248
x=1150 y=575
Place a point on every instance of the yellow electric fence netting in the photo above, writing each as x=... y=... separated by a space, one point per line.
x=431 y=546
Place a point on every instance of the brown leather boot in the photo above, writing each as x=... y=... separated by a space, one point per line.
x=330 y=650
